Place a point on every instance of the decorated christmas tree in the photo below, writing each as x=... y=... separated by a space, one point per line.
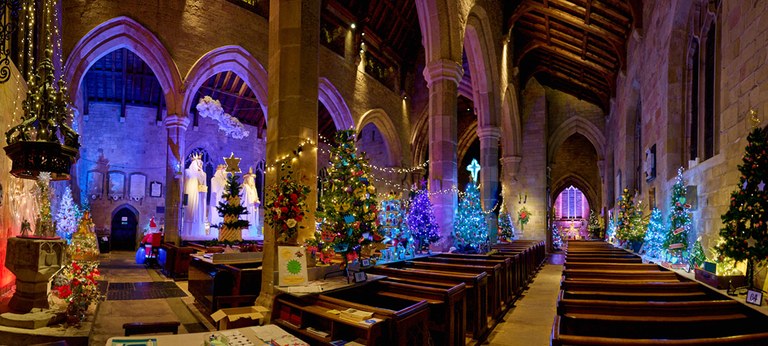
x=421 y=220
x=629 y=225
x=348 y=207
x=67 y=216
x=610 y=231
x=655 y=236
x=745 y=223
x=470 y=231
x=394 y=228
x=230 y=210
x=84 y=246
x=594 y=226
x=697 y=254
x=679 y=221
x=506 y=227
x=557 y=239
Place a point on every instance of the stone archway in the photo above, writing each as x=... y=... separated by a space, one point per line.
x=380 y=118
x=330 y=97
x=124 y=226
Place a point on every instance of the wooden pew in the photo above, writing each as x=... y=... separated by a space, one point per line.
x=574 y=259
x=611 y=266
x=656 y=320
x=507 y=270
x=447 y=318
x=577 y=340
x=615 y=275
x=494 y=273
x=518 y=266
x=636 y=291
x=476 y=285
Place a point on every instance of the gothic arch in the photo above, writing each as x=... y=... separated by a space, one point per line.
x=580 y=183
x=483 y=67
x=576 y=124
x=441 y=25
x=124 y=32
x=223 y=59
x=420 y=138
x=465 y=141
x=380 y=119
x=510 y=123
x=330 y=97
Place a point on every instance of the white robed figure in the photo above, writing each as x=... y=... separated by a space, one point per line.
x=218 y=182
x=251 y=203
x=196 y=189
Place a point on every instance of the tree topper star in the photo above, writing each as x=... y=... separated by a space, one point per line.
x=233 y=163
x=761 y=186
x=751 y=242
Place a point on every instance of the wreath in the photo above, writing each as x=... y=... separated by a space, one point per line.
x=523 y=215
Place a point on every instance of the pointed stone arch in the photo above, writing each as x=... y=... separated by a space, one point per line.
x=510 y=123
x=224 y=59
x=483 y=66
x=124 y=32
x=441 y=26
x=576 y=124
x=380 y=119
x=330 y=97
x=590 y=192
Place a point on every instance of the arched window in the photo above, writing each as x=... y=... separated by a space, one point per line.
x=570 y=204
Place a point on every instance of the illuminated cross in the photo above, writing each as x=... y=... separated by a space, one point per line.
x=473 y=168
x=233 y=163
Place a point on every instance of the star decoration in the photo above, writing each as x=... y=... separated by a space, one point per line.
x=761 y=186
x=751 y=242
x=233 y=164
x=473 y=169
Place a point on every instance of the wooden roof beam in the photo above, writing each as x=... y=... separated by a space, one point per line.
x=562 y=52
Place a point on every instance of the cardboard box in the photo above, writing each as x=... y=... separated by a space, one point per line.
x=720 y=282
x=231 y=318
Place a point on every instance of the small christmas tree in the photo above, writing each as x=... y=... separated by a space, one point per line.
x=630 y=225
x=610 y=231
x=393 y=226
x=679 y=221
x=745 y=223
x=557 y=239
x=506 y=227
x=470 y=231
x=84 y=246
x=421 y=220
x=67 y=216
x=348 y=207
x=697 y=254
x=230 y=210
x=655 y=236
x=594 y=226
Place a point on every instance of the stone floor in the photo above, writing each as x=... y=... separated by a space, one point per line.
x=138 y=294
x=529 y=322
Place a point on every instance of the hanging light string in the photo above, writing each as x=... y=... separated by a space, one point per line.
x=398 y=170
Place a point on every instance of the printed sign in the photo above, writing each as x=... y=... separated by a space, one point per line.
x=292 y=264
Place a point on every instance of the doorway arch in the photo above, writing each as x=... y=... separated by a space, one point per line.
x=125 y=220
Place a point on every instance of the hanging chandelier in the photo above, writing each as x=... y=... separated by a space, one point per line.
x=43 y=141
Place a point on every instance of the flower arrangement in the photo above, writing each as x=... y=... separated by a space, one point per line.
x=78 y=287
x=286 y=205
x=523 y=216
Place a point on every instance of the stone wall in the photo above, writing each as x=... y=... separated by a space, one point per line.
x=532 y=178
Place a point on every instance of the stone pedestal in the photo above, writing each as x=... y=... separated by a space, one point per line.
x=33 y=261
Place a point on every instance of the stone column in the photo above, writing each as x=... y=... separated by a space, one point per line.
x=510 y=166
x=489 y=175
x=294 y=34
x=443 y=77
x=176 y=126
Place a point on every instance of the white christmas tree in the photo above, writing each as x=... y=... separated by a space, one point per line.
x=68 y=216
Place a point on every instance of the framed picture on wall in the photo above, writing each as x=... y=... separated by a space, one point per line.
x=155 y=189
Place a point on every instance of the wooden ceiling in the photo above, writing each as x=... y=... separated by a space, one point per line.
x=236 y=98
x=576 y=46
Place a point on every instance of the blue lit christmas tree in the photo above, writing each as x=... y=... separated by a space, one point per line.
x=655 y=236
x=610 y=231
x=679 y=221
x=393 y=226
x=68 y=216
x=557 y=239
x=470 y=231
x=421 y=219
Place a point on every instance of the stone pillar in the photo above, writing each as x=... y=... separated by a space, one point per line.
x=176 y=126
x=489 y=175
x=443 y=77
x=294 y=35
x=510 y=166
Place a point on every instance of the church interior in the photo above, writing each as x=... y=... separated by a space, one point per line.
x=384 y=172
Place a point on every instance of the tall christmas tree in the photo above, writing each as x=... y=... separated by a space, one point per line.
x=506 y=227
x=679 y=221
x=595 y=229
x=655 y=236
x=421 y=219
x=610 y=231
x=67 y=217
x=348 y=207
x=745 y=223
x=470 y=231
x=230 y=209
x=630 y=225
